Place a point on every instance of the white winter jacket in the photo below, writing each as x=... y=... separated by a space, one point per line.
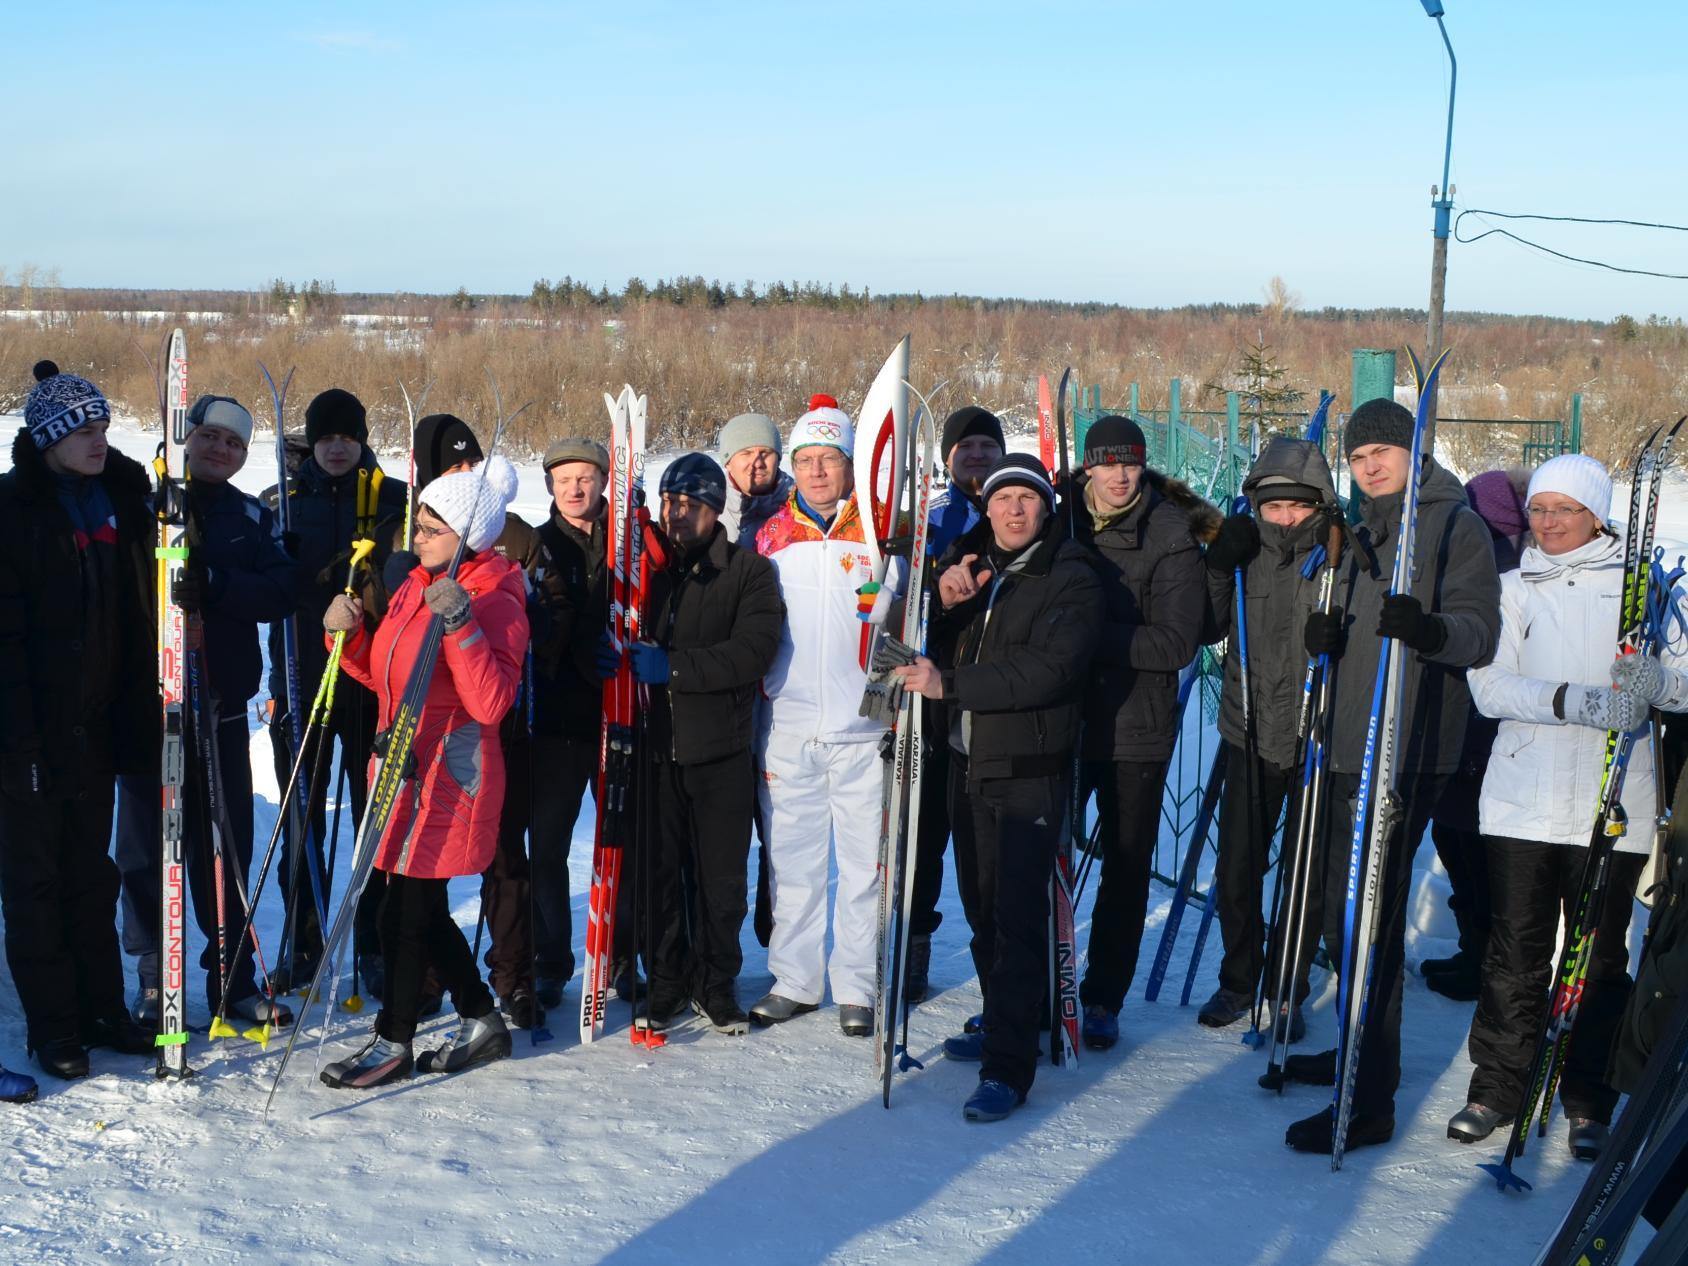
x=1559 y=623
x=815 y=684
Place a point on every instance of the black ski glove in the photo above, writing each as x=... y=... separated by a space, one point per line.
x=188 y=589
x=1236 y=545
x=1322 y=634
x=1404 y=619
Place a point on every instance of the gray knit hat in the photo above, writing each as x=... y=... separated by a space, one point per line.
x=748 y=430
x=575 y=448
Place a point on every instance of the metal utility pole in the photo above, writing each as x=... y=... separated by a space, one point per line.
x=1442 y=200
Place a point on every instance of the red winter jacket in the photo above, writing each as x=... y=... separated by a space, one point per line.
x=459 y=761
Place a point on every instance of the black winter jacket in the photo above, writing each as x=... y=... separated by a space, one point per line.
x=322 y=514
x=78 y=687
x=1661 y=980
x=251 y=580
x=1015 y=659
x=1279 y=599
x=568 y=693
x=1154 y=594
x=719 y=613
x=1454 y=577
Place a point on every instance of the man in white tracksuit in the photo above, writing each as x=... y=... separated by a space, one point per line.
x=823 y=777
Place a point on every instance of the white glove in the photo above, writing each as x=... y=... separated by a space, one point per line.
x=1644 y=675
x=1605 y=708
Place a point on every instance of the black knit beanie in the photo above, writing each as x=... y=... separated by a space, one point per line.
x=970 y=420
x=1115 y=441
x=336 y=412
x=1378 y=421
x=442 y=441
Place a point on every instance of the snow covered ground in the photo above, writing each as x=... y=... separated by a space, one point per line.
x=766 y=1148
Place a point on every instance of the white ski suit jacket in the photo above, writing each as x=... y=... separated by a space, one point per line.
x=1559 y=623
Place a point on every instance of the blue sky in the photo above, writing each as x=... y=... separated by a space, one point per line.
x=1151 y=154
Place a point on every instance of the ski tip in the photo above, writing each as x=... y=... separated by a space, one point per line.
x=354 y=1004
x=1504 y=1177
x=222 y=1028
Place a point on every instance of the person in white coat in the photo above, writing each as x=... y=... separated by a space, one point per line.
x=822 y=775
x=1551 y=685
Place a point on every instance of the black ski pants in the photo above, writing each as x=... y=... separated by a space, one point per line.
x=1007 y=831
x=58 y=892
x=139 y=841
x=1379 y=1072
x=702 y=826
x=1128 y=805
x=506 y=886
x=352 y=722
x=1248 y=815
x=563 y=768
x=418 y=932
x=1530 y=883
x=933 y=841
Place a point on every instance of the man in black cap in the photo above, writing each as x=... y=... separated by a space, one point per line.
x=337 y=493
x=1018 y=618
x=971 y=445
x=238 y=576
x=1448 y=622
x=444 y=444
x=712 y=624
x=1145 y=527
x=78 y=706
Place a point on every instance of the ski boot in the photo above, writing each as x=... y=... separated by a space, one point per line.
x=1473 y=1123
x=16 y=1087
x=479 y=1040
x=379 y=1063
x=992 y=1101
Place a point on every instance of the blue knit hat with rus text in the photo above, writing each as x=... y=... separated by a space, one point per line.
x=60 y=403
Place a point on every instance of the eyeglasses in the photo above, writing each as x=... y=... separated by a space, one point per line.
x=1552 y=514
x=423 y=532
x=818 y=461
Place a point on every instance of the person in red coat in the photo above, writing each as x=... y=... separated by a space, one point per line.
x=445 y=821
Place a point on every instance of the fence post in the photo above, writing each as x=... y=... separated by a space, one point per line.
x=1233 y=409
x=1576 y=423
x=1174 y=419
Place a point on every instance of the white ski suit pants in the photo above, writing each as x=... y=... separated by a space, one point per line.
x=814 y=795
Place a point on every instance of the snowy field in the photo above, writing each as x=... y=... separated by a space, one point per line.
x=767 y=1148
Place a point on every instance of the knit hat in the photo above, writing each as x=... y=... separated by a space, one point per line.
x=748 y=430
x=1378 y=421
x=336 y=412
x=698 y=476
x=576 y=448
x=970 y=420
x=443 y=440
x=1579 y=477
x=223 y=411
x=1115 y=441
x=1019 y=470
x=59 y=403
x=824 y=424
x=470 y=507
x=1495 y=498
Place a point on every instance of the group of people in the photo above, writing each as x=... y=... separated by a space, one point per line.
x=1062 y=615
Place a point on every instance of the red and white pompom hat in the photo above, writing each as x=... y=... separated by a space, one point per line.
x=824 y=424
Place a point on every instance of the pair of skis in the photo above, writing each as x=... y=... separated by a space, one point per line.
x=619 y=818
x=899 y=832
x=1378 y=807
x=1640 y=629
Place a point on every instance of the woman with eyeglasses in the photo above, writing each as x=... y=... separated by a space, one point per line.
x=1557 y=692
x=445 y=822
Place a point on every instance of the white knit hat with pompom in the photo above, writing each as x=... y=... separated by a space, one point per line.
x=470 y=506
